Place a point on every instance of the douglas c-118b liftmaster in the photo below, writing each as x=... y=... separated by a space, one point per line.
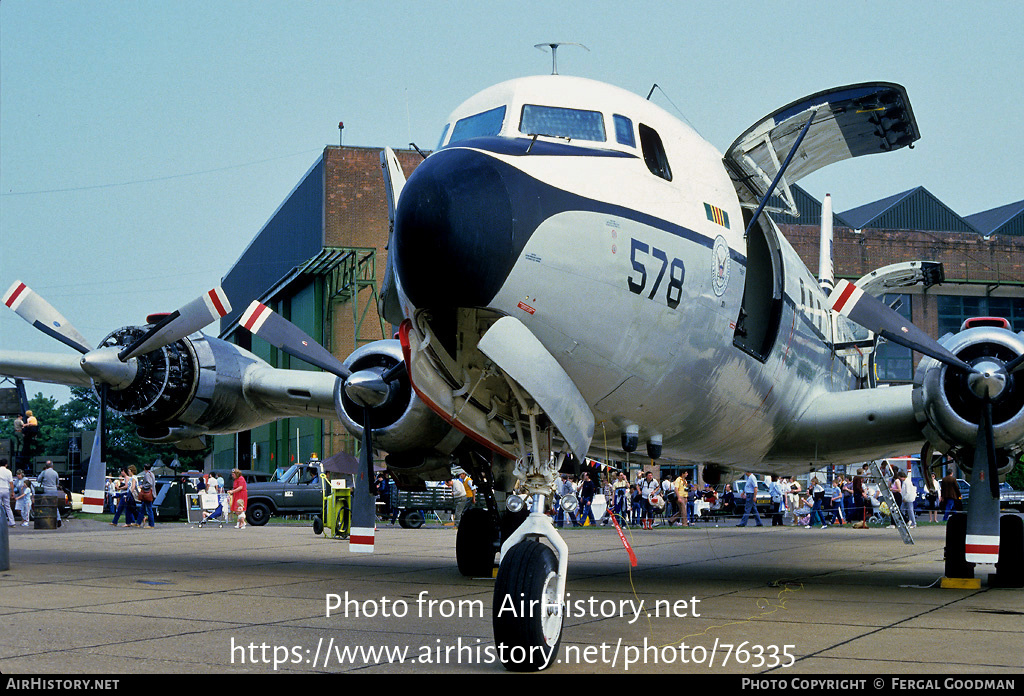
x=570 y=258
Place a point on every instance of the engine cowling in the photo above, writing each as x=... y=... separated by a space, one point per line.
x=946 y=407
x=187 y=389
x=405 y=424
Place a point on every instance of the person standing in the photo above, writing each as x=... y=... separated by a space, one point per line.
x=682 y=500
x=587 y=492
x=949 y=494
x=750 y=501
x=28 y=433
x=6 y=491
x=648 y=489
x=120 y=502
x=817 y=493
x=49 y=482
x=19 y=437
x=239 y=497
x=777 y=493
x=931 y=496
x=23 y=497
x=620 y=495
x=909 y=491
x=147 y=491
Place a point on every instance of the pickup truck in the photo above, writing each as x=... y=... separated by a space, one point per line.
x=1010 y=498
x=295 y=490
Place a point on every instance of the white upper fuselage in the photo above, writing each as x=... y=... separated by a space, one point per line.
x=632 y=273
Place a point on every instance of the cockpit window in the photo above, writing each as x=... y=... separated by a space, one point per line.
x=443 y=133
x=624 y=131
x=654 y=153
x=562 y=123
x=478 y=125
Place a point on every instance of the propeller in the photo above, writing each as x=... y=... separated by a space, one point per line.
x=108 y=367
x=369 y=388
x=41 y=314
x=986 y=379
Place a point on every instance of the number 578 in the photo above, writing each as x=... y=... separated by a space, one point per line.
x=640 y=254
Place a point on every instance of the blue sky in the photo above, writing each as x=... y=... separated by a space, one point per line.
x=144 y=143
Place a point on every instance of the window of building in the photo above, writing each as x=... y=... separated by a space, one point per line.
x=559 y=122
x=654 y=153
x=623 y=131
x=478 y=125
x=893 y=362
x=955 y=309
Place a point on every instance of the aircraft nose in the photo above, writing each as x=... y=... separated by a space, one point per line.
x=455 y=230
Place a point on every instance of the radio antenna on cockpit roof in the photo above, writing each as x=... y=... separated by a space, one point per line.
x=554 y=50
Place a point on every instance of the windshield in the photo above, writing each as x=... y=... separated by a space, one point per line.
x=479 y=125
x=559 y=122
x=283 y=474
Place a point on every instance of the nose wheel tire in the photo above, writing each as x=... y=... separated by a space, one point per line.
x=527 y=618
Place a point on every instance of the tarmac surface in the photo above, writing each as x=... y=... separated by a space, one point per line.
x=89 y=598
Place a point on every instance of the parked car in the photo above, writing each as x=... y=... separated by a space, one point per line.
x=1010 y=498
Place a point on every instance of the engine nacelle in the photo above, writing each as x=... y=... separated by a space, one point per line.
x=947 y=409
x=405 y=424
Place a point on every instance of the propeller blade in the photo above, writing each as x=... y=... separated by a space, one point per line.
x=873 y=314
x=40 y=314
x=281 y=333
x=364 y=505
x=197 y=314
x=982 y=543
x=92 y=500
x=1015 y=364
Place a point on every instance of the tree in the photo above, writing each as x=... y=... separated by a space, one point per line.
x=53 y=427
x=124 y=447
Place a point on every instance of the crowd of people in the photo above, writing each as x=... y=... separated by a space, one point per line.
x=853 y=500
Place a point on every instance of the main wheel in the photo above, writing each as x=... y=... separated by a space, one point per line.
x=475 y=544
x=527 y=620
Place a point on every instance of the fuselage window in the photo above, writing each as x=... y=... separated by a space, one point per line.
x=478 y=125
x=443 y=133
x=558 y=122
x=624 y=131
x=654 y=153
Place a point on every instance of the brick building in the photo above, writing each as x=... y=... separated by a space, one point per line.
x=320 y=259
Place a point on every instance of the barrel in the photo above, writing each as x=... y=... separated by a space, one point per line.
x=44 y=509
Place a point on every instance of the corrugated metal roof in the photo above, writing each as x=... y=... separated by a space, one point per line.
x=1006 y=219
x=916 y=209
